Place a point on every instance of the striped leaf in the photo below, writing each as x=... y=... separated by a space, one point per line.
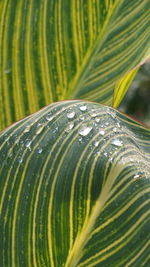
x=75 y=189
x=122 y=87
x=64 y=49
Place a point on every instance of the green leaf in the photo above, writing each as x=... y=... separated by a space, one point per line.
x=56 y=50
x=75 y=188
x=122 y=87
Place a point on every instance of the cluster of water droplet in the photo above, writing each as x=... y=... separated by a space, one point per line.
x=98 y=126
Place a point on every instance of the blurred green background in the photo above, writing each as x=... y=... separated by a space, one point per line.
x=136 y=103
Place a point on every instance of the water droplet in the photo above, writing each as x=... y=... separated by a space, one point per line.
x=93 y=114
x=106 y=123
x=20 y=160
x=96 y=143
x=115 y=130
x=83 y=108
x=27 y=129
x=55 y=129
x=40 y=128
x=70 y=115
x=101 y=132
x=97 y=119
x=85 y=130
x=81 y=118
x=69 y=127
x=136 y=176
x=49 y=117
x=28 y=142
x=118 y=124
x=40 y=150
x=116 y=142
x=80 y=139
x=112 y=114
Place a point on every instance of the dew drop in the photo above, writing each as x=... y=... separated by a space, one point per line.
x=118 y=124
x=55 y=130
x=28 y=142
x=116 y=142
x=97 y=119
x=69 y=127
x=40 y=128
x=136 y=176
x=115 y=130
x=81 y=118
x=27 y=129
x=40 y=150
x=49 y=117
x=112 y=114
x=83 y=108
x=96 y=143
x=80 y=139
x=20 y=160
x=71 y=115
x=93 y=114
x=85 y=130
x=101 y=132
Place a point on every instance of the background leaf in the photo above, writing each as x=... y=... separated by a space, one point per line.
x=122 y=87
x=54 y=50
x=75 y=188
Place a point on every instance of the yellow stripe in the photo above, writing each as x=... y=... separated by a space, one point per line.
x=4 y=38
x=76 y=252
x=102 y=226
x=129 y=234
x=16 y=72
x=43 y=51
x=122 y=87
x=147 y=245
x=29 y=71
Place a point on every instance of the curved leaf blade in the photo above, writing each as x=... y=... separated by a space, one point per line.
x=122 y=87
x=56 y=50
x=75 y=188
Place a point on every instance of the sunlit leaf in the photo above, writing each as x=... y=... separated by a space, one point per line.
x=122 y=87
x=75 y=189
x=56 y=50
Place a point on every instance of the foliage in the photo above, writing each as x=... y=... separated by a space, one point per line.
x=136 y=102
x=74 y=176
x=58 y=50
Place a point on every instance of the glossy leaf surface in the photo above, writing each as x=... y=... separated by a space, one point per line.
x=56 y=50
x=75 y=189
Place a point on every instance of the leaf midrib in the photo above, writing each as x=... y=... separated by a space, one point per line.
x=81 y=240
